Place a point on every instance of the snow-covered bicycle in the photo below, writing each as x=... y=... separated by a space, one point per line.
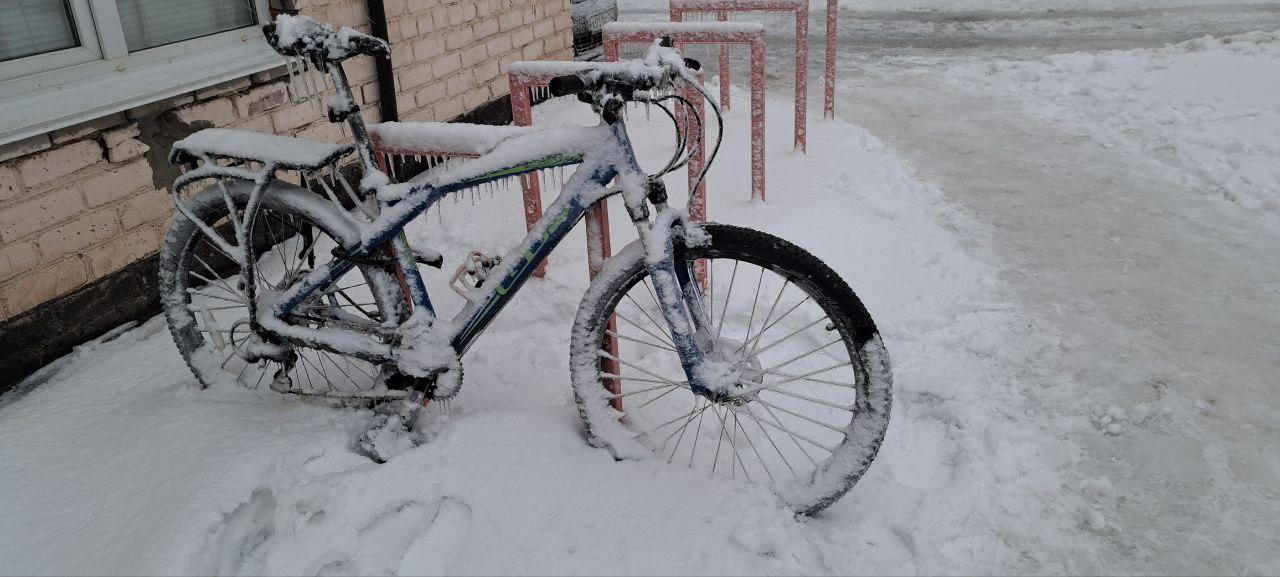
x=714 y=346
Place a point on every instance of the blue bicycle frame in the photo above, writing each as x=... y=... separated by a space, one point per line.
x=603 y=153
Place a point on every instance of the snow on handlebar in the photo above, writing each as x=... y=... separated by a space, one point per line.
x=302 y=36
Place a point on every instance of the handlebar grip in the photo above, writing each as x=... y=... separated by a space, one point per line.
x=566 y=85
x=692 y=64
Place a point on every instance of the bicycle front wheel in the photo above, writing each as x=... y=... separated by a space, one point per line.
x=815 y=380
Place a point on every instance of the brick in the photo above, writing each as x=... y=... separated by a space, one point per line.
x=218 y=111
x=78 y=131
x=439 y=15
x=497 y=45
x=16 y=259
x=416 y=6
x=431 y=94
x=459 y=39
x=476 y=97
x=10 y=186
x=427 y=114
x=533 y=51
x=146 y=207
x=544 y=29
x=474 y=55
x=404 y=101
x=456 y=15
x=486 y=28
x=24 y=218
x=269 y=75
x=260 y=124
x=261 y=99
x=426 y=24
x=56 y=163
x=487 y=70
x=458 y=85
x=449 y=109
x=413 y=77
x=322 y=132
x=287 y=119
x=555 y=43
x=77 y=235
x=369 y=93
x=224 y=87
x=564 y=22
x=116 y=254
x=362 y=69
x=408 y=27
x=28 y=145
x=25 y=292
x=427 y=48
x=117 y=184
x=446 y=65
x=122 y=144
x=522 y=37
x=402 y=54
x=159 y=106
x=510 y=20
x=393 y=8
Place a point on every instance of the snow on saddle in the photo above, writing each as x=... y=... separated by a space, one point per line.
x=285 y=152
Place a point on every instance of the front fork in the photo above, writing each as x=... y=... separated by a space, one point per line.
x=679 y=294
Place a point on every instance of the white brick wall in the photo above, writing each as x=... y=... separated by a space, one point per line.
x=80 y=203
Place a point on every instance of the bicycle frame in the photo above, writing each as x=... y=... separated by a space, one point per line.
x=603 y=153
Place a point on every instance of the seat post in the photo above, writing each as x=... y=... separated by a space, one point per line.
x=351 y=114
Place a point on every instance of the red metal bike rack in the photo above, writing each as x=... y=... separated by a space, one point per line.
x=707 y=33
x=721 y=10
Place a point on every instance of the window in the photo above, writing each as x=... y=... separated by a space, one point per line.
x=30 y=27
x=151 y=23
x=66 y=61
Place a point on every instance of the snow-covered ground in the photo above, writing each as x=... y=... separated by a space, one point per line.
x=1078 y=279
x=122 y=467
x=1206 y=107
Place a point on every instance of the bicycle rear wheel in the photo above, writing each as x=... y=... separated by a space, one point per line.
x=814 y=378
x=207 y=307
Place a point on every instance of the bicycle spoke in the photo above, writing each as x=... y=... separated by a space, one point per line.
x=719 y=441
x=752 y=444
x=765 y=349
x=794 y=435
x=808 y=377
x=848 y=408
x=724 y=311
x=617 y=377
x=646 y=315
x=634 y=340
x=754 y=301
x=213 y=296
x=772 y=442
x=643 y=330
x=638 y=391
x=764 y=325
x=641 y=369
x=654 y=429
x=798 y=357
x=800 y=416
x=683 y=428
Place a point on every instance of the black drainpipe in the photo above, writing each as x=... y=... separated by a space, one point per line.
x=383 y=66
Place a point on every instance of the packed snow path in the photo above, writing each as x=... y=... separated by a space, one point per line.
x=1164 y=298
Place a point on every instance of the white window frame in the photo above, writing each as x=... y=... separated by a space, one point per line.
x=101 y=76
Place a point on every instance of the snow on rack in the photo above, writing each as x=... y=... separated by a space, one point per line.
x=284 y=151
x=682 y=27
